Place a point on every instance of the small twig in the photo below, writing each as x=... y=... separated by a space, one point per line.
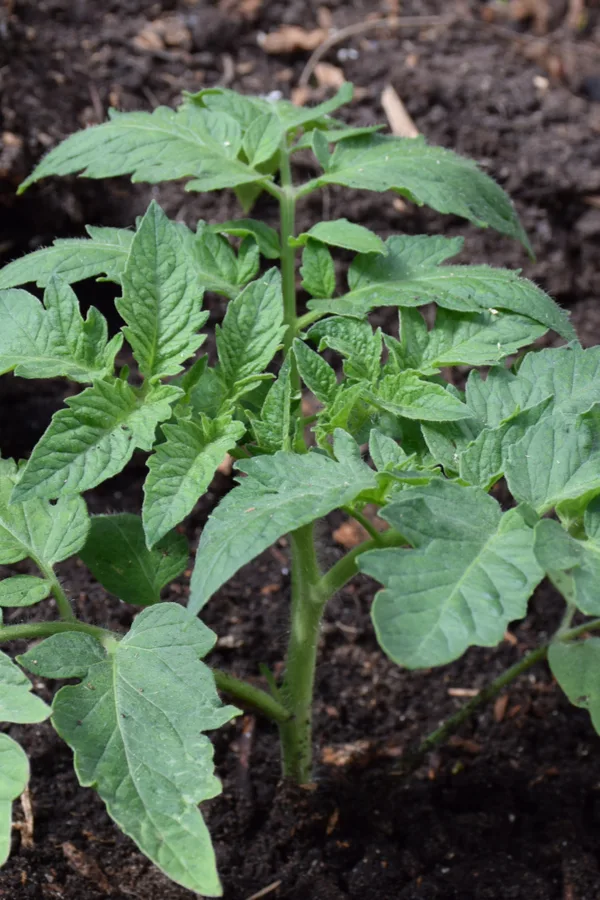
x=228 y=70
x=357 y=28
x=401 y=123
x=26 y=826
x=266 y=890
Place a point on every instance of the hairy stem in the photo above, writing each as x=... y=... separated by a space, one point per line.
x=287 y=208
x=62 y=601
x=298 y=684
x=413 y=760
x=32 y=630
x=248 y=695
x=346 y=568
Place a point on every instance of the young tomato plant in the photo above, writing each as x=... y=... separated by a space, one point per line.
x=456 y=567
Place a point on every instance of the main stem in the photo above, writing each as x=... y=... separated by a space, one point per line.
x=287 y=211
x=296 y=692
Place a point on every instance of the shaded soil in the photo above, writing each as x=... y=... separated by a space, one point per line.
x=512 y=808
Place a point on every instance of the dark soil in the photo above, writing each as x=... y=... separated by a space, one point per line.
x=511 y=809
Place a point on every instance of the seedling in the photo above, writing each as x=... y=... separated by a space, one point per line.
x=390 y=430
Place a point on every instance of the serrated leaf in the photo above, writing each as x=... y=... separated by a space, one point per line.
x=65 y=655
x=348 y=410
x=427 y=175
x=342 y=233
x=262 y=138
x=317 y=270
x=292 y=116
x=241 y=107
x=181 y=469
x=557 y=462
x=354 y=340
x=252 y=329
x=135 y=723
x=266 y=237
x=409 y=396
x=23 y=590
x=248 y=261
x=317 y=375
x=165 y=144
x=117 y=556
x=279 y=493
x=483 y=462
x=446 y=441
x=162 y=299
x=272 y=430
x=17 y=703
x=333 y=133
x=93 y=439
x=49 y=340
x=557 y=551
x=474 y=339
x=386 y=453
x=576 y=667
x=14 y=775
x=411 y=275
x=470 y=575
x=72 y=259
x=42 y=531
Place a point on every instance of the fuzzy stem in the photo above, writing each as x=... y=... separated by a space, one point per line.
x=346 y=568
x=32 y=630
x=62 y=601
x=413 y=760
x=297 y=689
x=248 y=695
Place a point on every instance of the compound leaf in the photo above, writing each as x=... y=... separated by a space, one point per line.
x=426 y=175
x=162 y=299
x=72 y=259
x=471 y=574
x=181 y=469
x=135 y=723
x=576 y=667
x=252 y=329
x=165 y=144
x=36 y=529
x=279 y=494
x=94 y=438
x=117 y=556
x=49 y=340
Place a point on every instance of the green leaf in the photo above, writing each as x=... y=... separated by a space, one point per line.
x=446 y=441
x=483 y=462
x=23 y=590
x=135 y=723
x=348 y=410
x=409 y=396
x=320 y=148
x=426 y=175
x=557 y=551
x=557 y=463
x=273 y=429
x=181 y=469
x=45 y=532
x=280 y=493
x=216 y=261
x=248 y=261
x=470 y=575
x=317 y=270
x=65 y=655
x=73 y=259
x=117 y=556
x=161 y=300
x=317 y=375
x=342 y=233
x=244 y=109
x=386 y=453
x=474 y=339
x=17 y=703
x=14 y=775
x=266 y=237
x=262 y=139
x=334 y=132
x=576 y=667
x=411 y=275
x=354 y=340
x=45 y=341
x=292 y=116
x=94 y=438
x=252 y=329
x=189 y=142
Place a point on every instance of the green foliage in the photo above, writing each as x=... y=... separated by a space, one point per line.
x=322 y=412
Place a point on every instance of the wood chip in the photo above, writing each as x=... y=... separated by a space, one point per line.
x=334 y=818
x=350 y=534
x=510 y=638
x=500 y=707
x=466 y=744
x=87 y=867
x=400 y=121
x=290 y=39
x=462 y=692
x=226 y=467
x=266 y=890
x=344 y=754
x=329 y=76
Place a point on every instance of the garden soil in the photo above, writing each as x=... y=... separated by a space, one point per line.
x=511 y=807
